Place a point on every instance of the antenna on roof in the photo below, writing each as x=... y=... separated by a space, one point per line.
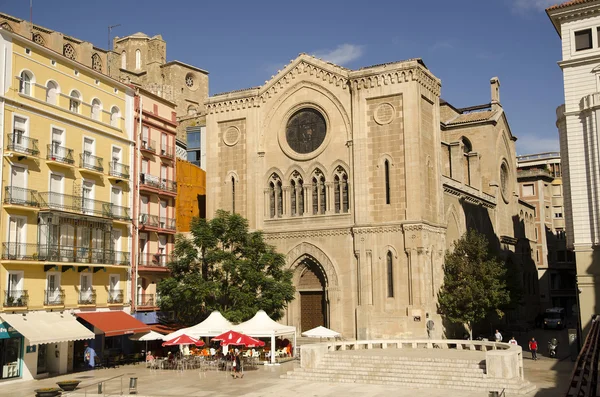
x=110 y=28
x=31 y=17
x=109 y=48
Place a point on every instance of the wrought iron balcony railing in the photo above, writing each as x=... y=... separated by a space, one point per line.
x=168 y=185
x=154 y=260
x=117 y=212
x=87 y=297
x=147 y=180
x=122 y=258
x=55 y=253
x=115 y=296
x=21 y=196
x=119 y=170
x=54 y=297
x=148 y=144
x=60 y=154
x=16 y=298
x=149 y=220
x=167 y=151
x=146 y=300
x=91 y=162
x=78 y=204
x=166 y=223
x=20 y=143
x=20 y=251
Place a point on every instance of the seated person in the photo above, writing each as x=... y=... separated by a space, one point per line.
x=149 y=356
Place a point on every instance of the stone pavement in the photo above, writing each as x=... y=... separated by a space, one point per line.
x=264 y=381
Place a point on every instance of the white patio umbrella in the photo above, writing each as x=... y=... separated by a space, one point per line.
x=321 y=332
x=146 y=337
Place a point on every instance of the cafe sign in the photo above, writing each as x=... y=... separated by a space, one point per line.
x=7 y=332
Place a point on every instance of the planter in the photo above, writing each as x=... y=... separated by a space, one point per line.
x=68 y=385
x=48 y=392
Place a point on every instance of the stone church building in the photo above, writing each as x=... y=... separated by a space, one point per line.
x=363 y=178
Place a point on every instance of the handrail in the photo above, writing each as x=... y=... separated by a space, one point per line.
x=585 y=372
x=84 y=388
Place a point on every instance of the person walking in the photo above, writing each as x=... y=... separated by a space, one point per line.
x=89 y=356
x=498 y=336
x=513 y=341
x=237 y=366
x=430 y=327
x=533 y=346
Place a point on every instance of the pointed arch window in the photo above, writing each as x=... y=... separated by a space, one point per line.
x=386 y=170
x=340 y=190
x=319 y=194
x=390 y=274
x=69 y=51
x=96 y=62
x=296 y=195
x=275 y=196
x=138 y=59
x=233 y=194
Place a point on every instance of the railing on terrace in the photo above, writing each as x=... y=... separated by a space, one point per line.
x=91 y=162
x=122 y=258
x=60 y=154
x=149 y=180
x=54 y=297
x=22 y=144
x=119 y=170
x=149 y=220
x=40 y=252
x=166 y=223
x=167 y=151
x=157 y=260
x=21 y=196
x=146 y=300
x=67 y=202
x=115 y=296
x=534 y=172
x=117 y=212
x=16 y=298
x=584 y=378
x=149 y=145
x=87 y=297
x=168 y=185
x=20 y=251
x=539 y=156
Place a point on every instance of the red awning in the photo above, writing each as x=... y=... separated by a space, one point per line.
x=165 y=328
x=114 y=323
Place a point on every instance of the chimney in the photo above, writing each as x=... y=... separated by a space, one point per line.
x=495 y=87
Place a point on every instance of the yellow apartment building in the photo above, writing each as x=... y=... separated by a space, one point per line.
x=66 y=218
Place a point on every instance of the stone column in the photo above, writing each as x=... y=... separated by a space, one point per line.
x=267 y=208
x=474 y=170
x=409 y=262
x=286 y=202
x=368 y=279
x=308 y=199
x=329 y=206
x=457 y=157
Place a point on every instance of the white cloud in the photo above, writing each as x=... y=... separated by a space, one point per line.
x=342 y=54
x=536 y=5
x=530 y=144
x=442 y=45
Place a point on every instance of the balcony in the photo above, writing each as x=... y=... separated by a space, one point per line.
x=118 y=171
x=167 y=224
x=64 y=254
x=20 y=252
x=117 y=212
x=115 y=297
x=77 y=204
x=158 y=185
x=60 y=156
x=21 y=197
x=91 y=164
x=167 y=152
x=148 y=146
x=16 y=298
x=154 y=260
x=149 y=221
x=22 y=145
x=55 y=297
x=87 y=297
x=122 y=258
x=146 y=301
x=169 y=187
x=535 y=173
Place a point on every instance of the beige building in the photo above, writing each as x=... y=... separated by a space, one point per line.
x=137 y=59
x=540 y=183
x=363 y=178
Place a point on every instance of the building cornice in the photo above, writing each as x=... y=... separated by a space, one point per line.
x=467 y=193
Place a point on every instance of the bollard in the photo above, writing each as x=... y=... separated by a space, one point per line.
x=100 y=388
x=132 y=385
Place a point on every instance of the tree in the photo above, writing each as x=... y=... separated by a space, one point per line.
x=224 y=267
x=474 y=282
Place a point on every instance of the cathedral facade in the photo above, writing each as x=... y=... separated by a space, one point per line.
x=363 y=178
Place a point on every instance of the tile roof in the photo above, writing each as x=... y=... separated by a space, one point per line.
x=234 y=91
x=568 y=4
x=472 y=117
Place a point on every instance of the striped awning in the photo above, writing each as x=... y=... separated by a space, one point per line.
x=48 y=327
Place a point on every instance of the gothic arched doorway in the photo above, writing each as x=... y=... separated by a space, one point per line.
x=311 y=283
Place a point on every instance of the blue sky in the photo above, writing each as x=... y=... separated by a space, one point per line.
x=243 y=43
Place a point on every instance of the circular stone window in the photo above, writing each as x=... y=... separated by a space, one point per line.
x=504 y=176
x=189 y=80
x=231 y=136
x=305 y=131
x=384 y=114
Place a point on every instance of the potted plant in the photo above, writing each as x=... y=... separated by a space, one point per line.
x=48 y=392
x=68 y=385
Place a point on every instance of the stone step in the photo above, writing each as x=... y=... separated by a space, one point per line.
x=521 y=388
x=400 y=372
x=429 y=364
x=411 y=359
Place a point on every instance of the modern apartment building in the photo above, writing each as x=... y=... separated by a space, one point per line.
x=155 y=125
x=540 y=184
x=67 y=145
x=577 y=23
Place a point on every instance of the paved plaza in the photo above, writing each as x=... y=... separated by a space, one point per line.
x=549 y=375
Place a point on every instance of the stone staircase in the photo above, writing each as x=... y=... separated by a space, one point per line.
x=413 y=372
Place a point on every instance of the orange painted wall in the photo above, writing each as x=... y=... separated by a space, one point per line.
x=191 y=183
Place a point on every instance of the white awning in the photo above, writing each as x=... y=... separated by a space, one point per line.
x=48 y=327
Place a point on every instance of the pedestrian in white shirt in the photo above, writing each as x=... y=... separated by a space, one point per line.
x=513 y=341
x=498 y=336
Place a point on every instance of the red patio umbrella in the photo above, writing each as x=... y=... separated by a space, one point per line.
x=183 y=340
x=238 y=339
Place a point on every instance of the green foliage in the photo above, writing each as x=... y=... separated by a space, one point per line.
x=223 y=266
x=474 y=281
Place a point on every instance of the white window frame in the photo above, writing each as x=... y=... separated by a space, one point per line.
x=20 y=116
x=21 y=274
x=138 y=59
x=31 y=83
x=78 y=100
x=26 y=174
x=62 y=184
x=58 y=278
x=96 y=116
x=56 y=95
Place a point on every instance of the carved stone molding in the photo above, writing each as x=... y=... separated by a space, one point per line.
x=467 y=197
x=307 y=234
x=307 y=250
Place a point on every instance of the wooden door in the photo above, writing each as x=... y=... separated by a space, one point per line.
x=312 y=309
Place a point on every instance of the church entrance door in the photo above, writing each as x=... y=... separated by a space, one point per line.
x=313 y=298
